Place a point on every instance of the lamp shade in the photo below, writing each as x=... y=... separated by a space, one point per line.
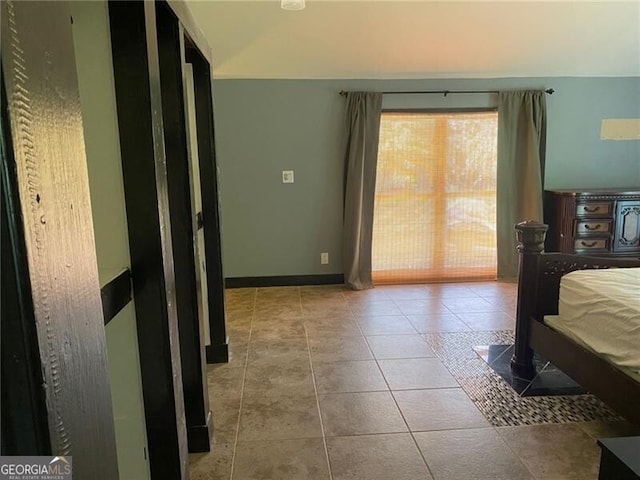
x=292 y=4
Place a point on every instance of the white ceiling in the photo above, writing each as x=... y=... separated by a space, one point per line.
x=421 y=39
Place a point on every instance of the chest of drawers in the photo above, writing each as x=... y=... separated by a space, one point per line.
x=593 y=222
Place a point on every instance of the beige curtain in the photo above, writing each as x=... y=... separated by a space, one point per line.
x=522 y=127
x=363 y=129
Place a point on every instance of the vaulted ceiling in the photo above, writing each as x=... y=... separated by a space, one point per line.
x=421 y=39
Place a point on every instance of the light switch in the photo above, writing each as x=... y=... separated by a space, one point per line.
x=287 y=176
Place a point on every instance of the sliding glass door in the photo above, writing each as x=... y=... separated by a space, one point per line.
x=435 y=202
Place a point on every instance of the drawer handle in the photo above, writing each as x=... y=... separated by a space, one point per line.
x=588 y=226
x=588 y=244
x=591 y=210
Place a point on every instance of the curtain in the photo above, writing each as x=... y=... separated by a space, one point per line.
x=363 y=129
x=522 y=127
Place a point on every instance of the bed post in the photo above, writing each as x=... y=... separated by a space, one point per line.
x=530 y=236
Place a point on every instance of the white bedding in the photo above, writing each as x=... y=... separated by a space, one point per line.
x=601 y=310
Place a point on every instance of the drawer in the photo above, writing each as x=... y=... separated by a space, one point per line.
x=594 y=209
x=600 y=244
x=593 y=226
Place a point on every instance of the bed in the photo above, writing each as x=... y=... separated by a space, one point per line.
x=585 y=339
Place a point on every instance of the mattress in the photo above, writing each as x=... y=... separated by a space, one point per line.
x=600 y=309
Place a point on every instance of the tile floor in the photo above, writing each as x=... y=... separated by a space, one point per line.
x=328 y=383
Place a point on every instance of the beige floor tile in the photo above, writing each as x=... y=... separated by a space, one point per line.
x=339 y=349
x=239 y=303
x=376 y=457
x=322 y=291
x=326 y=309
x=437 y=323
x=551 y=452
x=500 y=295
x=338 y=313
x=279 y=377
x=488 y=321
x=468 y=305
x=237 y=293
x=289 y=349
x=351 y=376
x=376 y=309
x=239 y=338
x=399 y=346
x=450 y=290
x=494 y=289
x=416 y=373
x=602 y=429
x=224 y=380
x=225 y=413
x=239 y=330
x=278 y=294
x=213 y=465
x=386 y=325
x=238 y=315
x=301 y=459
x=323 y=298
x=273 y=332
x=504 y=301
x=361 y=303
x=372 y=294
x=406 y=292
x=274 y=310
x=360 y=413
x=478 y=454
x=319 y=306
x=438 y=409
x=238 y=318
x=237 y=353
x=429 y=306
x=509 y=310
x=276 y=329
x=270 y=417
x=336 y=326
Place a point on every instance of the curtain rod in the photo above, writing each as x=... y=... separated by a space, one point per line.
x=443 y=92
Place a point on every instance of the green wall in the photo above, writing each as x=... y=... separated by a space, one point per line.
x=266 y=126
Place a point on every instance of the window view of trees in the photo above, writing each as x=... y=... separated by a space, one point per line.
x=435 y=203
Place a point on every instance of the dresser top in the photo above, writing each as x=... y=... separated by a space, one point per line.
x=597 y=191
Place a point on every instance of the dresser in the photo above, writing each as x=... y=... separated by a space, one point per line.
x=593 y=222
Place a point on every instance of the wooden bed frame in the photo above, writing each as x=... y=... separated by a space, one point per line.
x=538 y=289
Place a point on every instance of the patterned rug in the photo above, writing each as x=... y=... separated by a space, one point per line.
x=498 y=402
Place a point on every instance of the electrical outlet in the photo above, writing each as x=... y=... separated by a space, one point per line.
x=324 y=258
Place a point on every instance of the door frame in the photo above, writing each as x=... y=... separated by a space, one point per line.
x=148 y=48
